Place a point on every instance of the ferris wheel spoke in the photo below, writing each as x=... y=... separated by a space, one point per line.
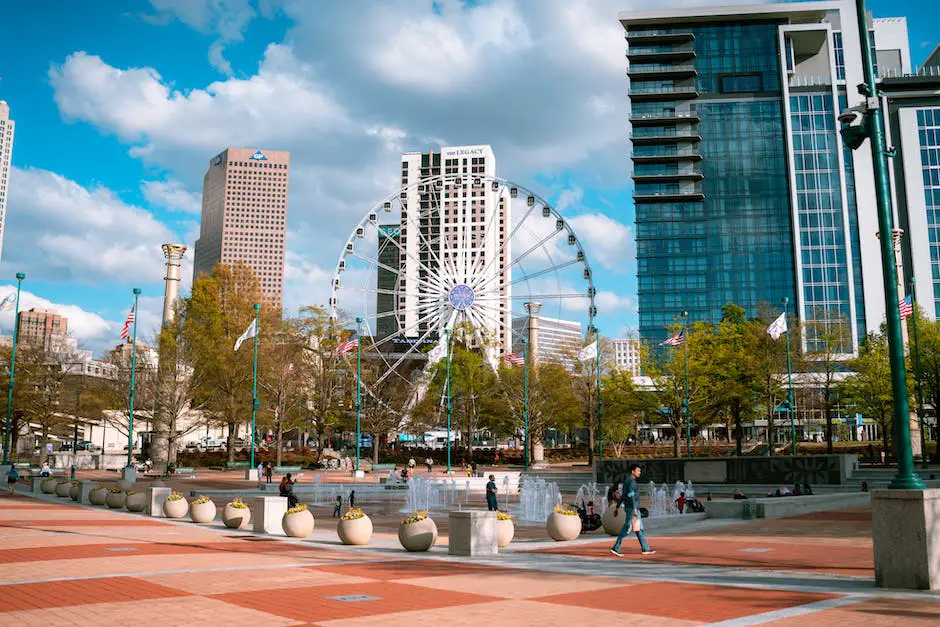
x=521 y=257
x=531 y=296
x=421 y=265
x=403 y=332
x=430 y=217
x=438 y=184
x=378 y=353
x=478 y=258
x=411 y=349
x=538 y=273
x=503 y=245
x=379 y=264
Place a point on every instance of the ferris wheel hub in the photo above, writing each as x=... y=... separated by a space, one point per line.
x=461 y=297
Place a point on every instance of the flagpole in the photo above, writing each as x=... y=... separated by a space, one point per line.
x=790 y=408
x=525 y=400
x=7 y=436
x=130 y=413
x=359 y=391
x=920 y=391
x=600 y=423
x=447 y=333
x=254 y=386
x=685 y=402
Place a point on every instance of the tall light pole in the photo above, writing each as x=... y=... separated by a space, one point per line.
x=920 y=389
x=860 y=122
x=685 y=401
x=255 y=404
x=600 y=424
x=447 y=333
x=7 y=436
x=790 y=408
x=525 y=401
x=130 y=405
x=359 y=391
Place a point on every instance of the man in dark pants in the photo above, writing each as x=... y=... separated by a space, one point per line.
x=491 y=503
x=630 y=497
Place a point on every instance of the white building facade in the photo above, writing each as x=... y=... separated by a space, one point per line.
x=627 y=355
x=558 y=340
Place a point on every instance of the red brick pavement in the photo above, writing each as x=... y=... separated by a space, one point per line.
x=410 y=569
x=29 y=596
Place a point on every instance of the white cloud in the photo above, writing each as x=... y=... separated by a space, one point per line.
x=85 y=326
x=610 y=303
x=609 y=242
x=59 y=231
x=171 y=195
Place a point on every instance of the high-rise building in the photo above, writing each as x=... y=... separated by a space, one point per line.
x=386 y=323
x=244 y=216
x=42 y=328
x=744 y=189
x=558 y=340
x=6 y=157
x=627 y=355
x=444 y=227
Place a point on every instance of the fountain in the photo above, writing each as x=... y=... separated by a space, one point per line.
x=660 y=503
x=537 y=499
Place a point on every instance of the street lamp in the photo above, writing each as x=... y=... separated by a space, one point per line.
x=525 y=400
x=130 y=408
x=7 y=436
x=785 y=301
x=359 y=392
x=860 y=122
x=447 y=333
x=685 y=401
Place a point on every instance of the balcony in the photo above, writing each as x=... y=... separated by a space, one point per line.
x=668 y=157
x=657 y=36
x=666 y=137
x=675 y=92
x=660 y=117
x=661 y=70
x=692 y=193
x=655 y=54
x=668 y=177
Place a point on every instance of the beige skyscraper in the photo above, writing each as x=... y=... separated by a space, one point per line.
x=6 y=156
x=244 y=215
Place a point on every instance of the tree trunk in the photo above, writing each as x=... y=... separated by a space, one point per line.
x=675 y=441
x=279 y=440
x=738 y=431
x=43 y=440
x=828 y=425
x=770 y=429
x=884 y=441
x=375 y=449
x=230 y=441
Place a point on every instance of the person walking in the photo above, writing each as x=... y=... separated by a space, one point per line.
x=630 y=497
x=338 y=506
x=491 y=503
x=352 y=499
x=13 y=475
x=269 y=472
x=260 y=474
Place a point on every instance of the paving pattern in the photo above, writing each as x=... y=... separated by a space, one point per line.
x=65 y=564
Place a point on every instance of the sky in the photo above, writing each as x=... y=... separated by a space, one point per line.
x=120 y=104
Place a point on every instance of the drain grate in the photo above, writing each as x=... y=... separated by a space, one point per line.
x=755 y=550
x=353 y=598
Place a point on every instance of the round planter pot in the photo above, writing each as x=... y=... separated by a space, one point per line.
x=125 y=485
x=613 y=524
x=136 y=502
x=48 y=486
x=236 y=517
x=505 y=530
x=98 y=496
x=115 y=500
x=175 y=509
x=62 y=489
x=418 y=536
x=298 y=525
x=563 y=527
x=202 y=512
x=75 y=491
x=357 y=531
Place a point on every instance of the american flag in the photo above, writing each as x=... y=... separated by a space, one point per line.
x=906 y=305
x=125 y=332
x=675 y=340
x=513 y=359
x=349 y=345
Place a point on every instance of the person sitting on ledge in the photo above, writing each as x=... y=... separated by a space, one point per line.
x=807 y=491
x=797 y=489
x=737 y=495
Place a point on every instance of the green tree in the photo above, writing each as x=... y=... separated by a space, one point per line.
x=584 y=379
x=868 y=388
x=328 y=379
x=828 y=341
x=40 y=390
x=280 y=381
x=622 y=407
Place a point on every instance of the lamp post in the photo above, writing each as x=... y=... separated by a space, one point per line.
x=525 y=401
x=447 y=332
x=685 y=401
x=255 y=404
x=359 y=392
x=130 y=408
x=920 y=389
x=786 y=314
x=7 y=436
x=600 y=423
x=860 y=122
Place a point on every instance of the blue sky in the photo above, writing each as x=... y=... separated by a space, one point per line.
x=119 y=105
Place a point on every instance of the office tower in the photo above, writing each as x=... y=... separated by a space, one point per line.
x=559 y=340
x=6 y=157
x=627 y=355
x=744 y=190
x=386 y=323
x=444 y=222
x=43 y=328
x=244 y=216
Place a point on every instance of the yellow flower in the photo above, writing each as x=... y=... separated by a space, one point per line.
x=238 y=503
x=174 y=496
x=354 y=514
x=565 y=510
x=296 y=509
x=416 y=517
x=201 y=499
x=115 y=490
x=503 y=516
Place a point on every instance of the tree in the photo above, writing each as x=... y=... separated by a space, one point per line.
x=928 y=348
x=384 y=404
x=279 y=377
x=40 y=390
x=622 y=407
x=868 y=388
x=828 y=340
x=770 y=363
x=584 y=379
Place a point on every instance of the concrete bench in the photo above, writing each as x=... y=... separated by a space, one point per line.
x=284 y=469
x=784 y=506
x=383 y=467
x=181 y=472
x=53 y=472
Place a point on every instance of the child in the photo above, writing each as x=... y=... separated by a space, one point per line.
x=13 y=476
x=338 y=506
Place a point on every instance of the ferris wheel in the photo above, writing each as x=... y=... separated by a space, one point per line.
x=478 y=254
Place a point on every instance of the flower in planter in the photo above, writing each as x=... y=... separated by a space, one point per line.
x=238 y=503
x=115 y=490
x=296 y=509
x=202 y=498
x=503 y=516
x=134 y=492
x=354 y=514
x=63 y=481
x=567 y=510
x=416 y=517
x=101 y=487
x=175 y=496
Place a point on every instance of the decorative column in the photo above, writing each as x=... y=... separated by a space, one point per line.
x=173 y=253
x=160 y=447
x=533 y=309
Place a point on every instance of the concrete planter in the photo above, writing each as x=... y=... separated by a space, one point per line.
x=62 y=489
x=175 y=509
x=136 y=501
x=298 y=525
x=116 y=500
x=418 y=536
x=562 y=527
x=98 y=496
x=613 y=524
x=48 y=486
x=357 y=531
x=236 y=517
x=202 y=512
x=505 y=531
x=125 y=485
x=75 y=491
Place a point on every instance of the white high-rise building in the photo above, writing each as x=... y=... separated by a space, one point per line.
x=455 y=223
x=558 y=342
x=627 y=355
x=6 y=156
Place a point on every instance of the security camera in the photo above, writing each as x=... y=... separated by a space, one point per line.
x=854 y=131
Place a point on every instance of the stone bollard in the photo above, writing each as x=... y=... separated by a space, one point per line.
x=37 y=481
x=267 y=513
x=158 y=497
x=905 y=539
x=472 y=532
x=84 y=489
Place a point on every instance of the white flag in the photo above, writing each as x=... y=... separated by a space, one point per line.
x=589 y=352
x=778 y=327
x=249 y=333
x=438 y=352
x=8 y=303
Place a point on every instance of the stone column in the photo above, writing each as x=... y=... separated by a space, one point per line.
x=173 y=253
x=160 y=448
x=533 y=308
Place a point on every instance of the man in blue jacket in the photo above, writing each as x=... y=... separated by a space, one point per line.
x=630 y=497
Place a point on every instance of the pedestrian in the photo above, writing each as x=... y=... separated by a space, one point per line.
x=352 y=499
x=269 y=472
x=807 y=490
x=680 y=503
x=260 y=474
x=337 y=506
x=411 y=463
x=630 y=497
x=13 y=476
x=286 y=488
x=496 y=458
x=429 y=463
x=613 y=494
x=473 y=468
x=45 y=471
x=491 y=503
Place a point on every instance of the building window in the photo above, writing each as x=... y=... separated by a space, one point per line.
x=839 y=53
